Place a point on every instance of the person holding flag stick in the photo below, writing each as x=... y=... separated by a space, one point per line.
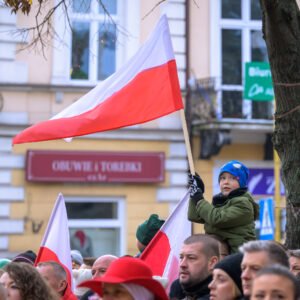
x=232 y=213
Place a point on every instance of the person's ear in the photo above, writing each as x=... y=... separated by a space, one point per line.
x=62 y=285
x=211 y=262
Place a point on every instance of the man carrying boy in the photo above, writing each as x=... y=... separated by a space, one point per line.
x=232 y=213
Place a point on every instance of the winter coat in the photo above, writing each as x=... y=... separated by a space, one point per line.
x=230 y=217
x=199 y=291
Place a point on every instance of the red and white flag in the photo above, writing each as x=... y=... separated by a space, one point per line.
x=162 y=253
x=56 y=242
x=144 y=89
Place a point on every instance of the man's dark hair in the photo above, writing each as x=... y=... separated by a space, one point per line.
x=89 y=261
x=224 y=245
x=210 y=245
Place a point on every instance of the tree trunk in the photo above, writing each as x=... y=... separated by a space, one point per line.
x=281 y=30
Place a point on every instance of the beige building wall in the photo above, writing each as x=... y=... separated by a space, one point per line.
x=40 y=197
x=199 y=41
x=37 y=100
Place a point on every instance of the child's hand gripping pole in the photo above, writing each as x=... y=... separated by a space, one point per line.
x=196 y=186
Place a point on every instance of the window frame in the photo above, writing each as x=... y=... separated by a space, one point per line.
x=246 y=25
x=118 y=223
x=126 y=45
x=94 y=20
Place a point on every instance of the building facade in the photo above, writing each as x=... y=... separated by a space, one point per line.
x=211 y=39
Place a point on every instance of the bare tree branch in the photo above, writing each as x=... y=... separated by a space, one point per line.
x=152 y=9
x=41 y=34
x=196 y=3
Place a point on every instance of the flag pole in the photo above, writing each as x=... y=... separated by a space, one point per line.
x=187 y=142
x=188 y=149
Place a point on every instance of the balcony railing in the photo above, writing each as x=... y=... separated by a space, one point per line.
x=218 y=106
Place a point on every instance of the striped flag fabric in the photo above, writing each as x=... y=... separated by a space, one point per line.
x=55 y=245
x=162 y=253
x=144 y=89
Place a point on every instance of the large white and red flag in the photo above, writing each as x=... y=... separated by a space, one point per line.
x=55 y=245
x=144 y=89
x=162 y=253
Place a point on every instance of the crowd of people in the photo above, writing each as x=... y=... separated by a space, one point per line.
x=259 y=270
x=225 y=263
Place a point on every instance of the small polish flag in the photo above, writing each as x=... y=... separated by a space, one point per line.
x=162 y=253
x=56 y=241
x=144 y=89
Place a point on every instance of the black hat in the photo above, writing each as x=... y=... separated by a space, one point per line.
x=231 y=264
x=147 y=230
x=28 y=257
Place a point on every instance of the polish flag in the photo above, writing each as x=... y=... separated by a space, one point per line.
x=162 y=253
x=56 y=242
x=144 y=89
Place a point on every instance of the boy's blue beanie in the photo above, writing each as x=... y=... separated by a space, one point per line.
x=238 y=170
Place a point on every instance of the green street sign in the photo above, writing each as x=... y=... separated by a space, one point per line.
x=258 y=82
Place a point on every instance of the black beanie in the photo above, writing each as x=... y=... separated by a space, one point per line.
x=27 y=257
x=231 y=264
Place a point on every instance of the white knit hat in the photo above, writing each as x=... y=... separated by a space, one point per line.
x=80 y=275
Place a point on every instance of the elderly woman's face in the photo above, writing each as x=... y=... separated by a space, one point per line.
x=222 y=287
x=12 y=289
x=115 y=292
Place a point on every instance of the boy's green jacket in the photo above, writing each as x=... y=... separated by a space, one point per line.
x=232 y=220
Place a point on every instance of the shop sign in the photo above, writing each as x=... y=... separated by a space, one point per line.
x=258 y=82
x=90 y=166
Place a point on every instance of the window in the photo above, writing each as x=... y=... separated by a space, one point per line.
x=98 y=44
x=96 y=225
x=94 y=35
x=236 y=38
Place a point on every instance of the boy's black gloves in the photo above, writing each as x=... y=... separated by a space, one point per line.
x=196 y=186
